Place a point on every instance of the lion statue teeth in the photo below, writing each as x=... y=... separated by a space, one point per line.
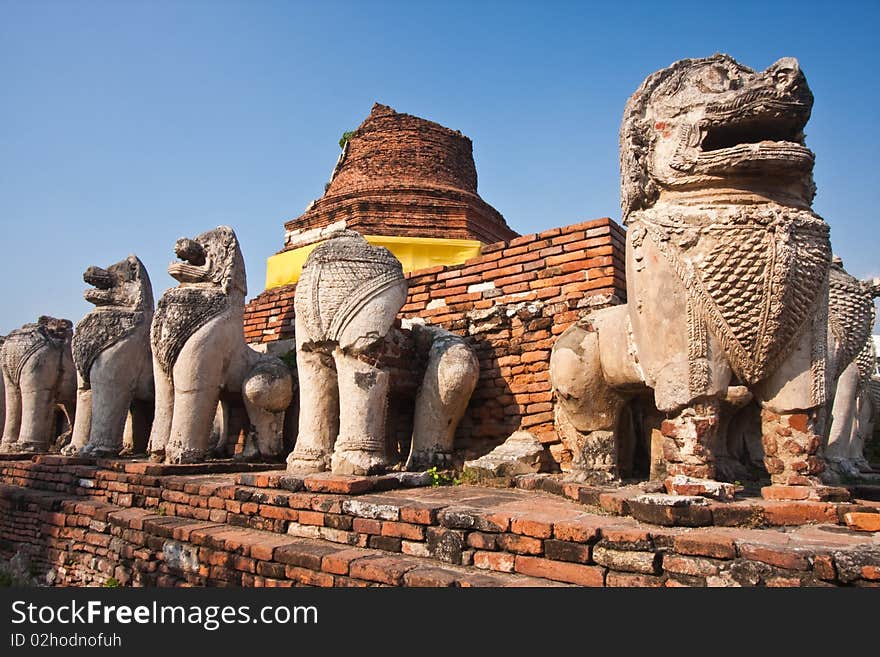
x=111 y=350
x=727 y=277
x=200 y=356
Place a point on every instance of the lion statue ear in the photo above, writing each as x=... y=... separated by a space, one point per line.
x=637 y=190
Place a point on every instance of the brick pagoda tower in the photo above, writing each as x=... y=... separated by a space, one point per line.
x=404 y=183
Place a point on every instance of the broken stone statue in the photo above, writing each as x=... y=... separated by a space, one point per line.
x=449 y=380
x=520 y=454
x=40 y=384
x=727 y=275
x=851 y=317
x=111 y=351
x=346 y=301
x=199 y=354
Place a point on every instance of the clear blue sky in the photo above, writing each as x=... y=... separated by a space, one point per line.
x=127 y=124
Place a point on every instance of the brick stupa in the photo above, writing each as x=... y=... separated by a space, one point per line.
x=405 y=183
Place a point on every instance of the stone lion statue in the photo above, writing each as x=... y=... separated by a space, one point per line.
x=111 y=351
x=851 y=316
x=199 y=355
x=727 y=276
x=40 y=385
x=346 y=301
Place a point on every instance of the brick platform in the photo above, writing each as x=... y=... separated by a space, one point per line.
x=93 y=521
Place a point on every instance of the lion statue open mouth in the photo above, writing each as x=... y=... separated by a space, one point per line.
x=727 y=275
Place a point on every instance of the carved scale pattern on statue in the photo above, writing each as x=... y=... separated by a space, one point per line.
x=340 y=276
x=97 y=332
x=181 y=312
x=850 y=317
x=759 y=285
x=21 y=344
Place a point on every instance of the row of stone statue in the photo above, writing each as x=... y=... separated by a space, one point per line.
x=167 y=371
x=733 y=301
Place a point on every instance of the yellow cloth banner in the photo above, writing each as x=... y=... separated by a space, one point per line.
x=413 y=252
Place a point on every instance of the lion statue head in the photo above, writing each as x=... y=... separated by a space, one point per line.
x=713 y=122
x=212 y=259
x=123 y=299
x=124 y=285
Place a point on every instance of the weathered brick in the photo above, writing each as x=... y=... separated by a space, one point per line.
x=366 y=526
x=798 y=513
x=790 y=559
x=338 y=562
x=567 y=551
x=481 y=540
x=634 y=580
x=823 y=567
x=309 y=577
x=386 y=543
x=705 y=545
x=627 y=560
x=531 y=527
x=697 y=566
x=325 y=482
x=560 y=571
x=405 y=530
x=578 y=531
x=385 y=570
x=306 y=554
x=500 y=561
x=519 y=544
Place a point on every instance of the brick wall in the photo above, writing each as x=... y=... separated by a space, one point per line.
x=511 y=304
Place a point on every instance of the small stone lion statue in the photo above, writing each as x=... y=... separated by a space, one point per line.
x=40 y=385
x=199 y=353
x=727 y=277
x=111 y=350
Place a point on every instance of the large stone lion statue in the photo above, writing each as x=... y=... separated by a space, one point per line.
x=727 y=276
x=200 y=356
x=40 y=385
x=111 y=350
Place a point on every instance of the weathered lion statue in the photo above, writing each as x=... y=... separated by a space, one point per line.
x=727 y=276
x=346 y=301
x=111 y=351
x=199 y=354
x=40 y=383
x=851 y=315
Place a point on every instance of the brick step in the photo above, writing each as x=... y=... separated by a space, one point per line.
x=143 y=548
x=502 y=530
